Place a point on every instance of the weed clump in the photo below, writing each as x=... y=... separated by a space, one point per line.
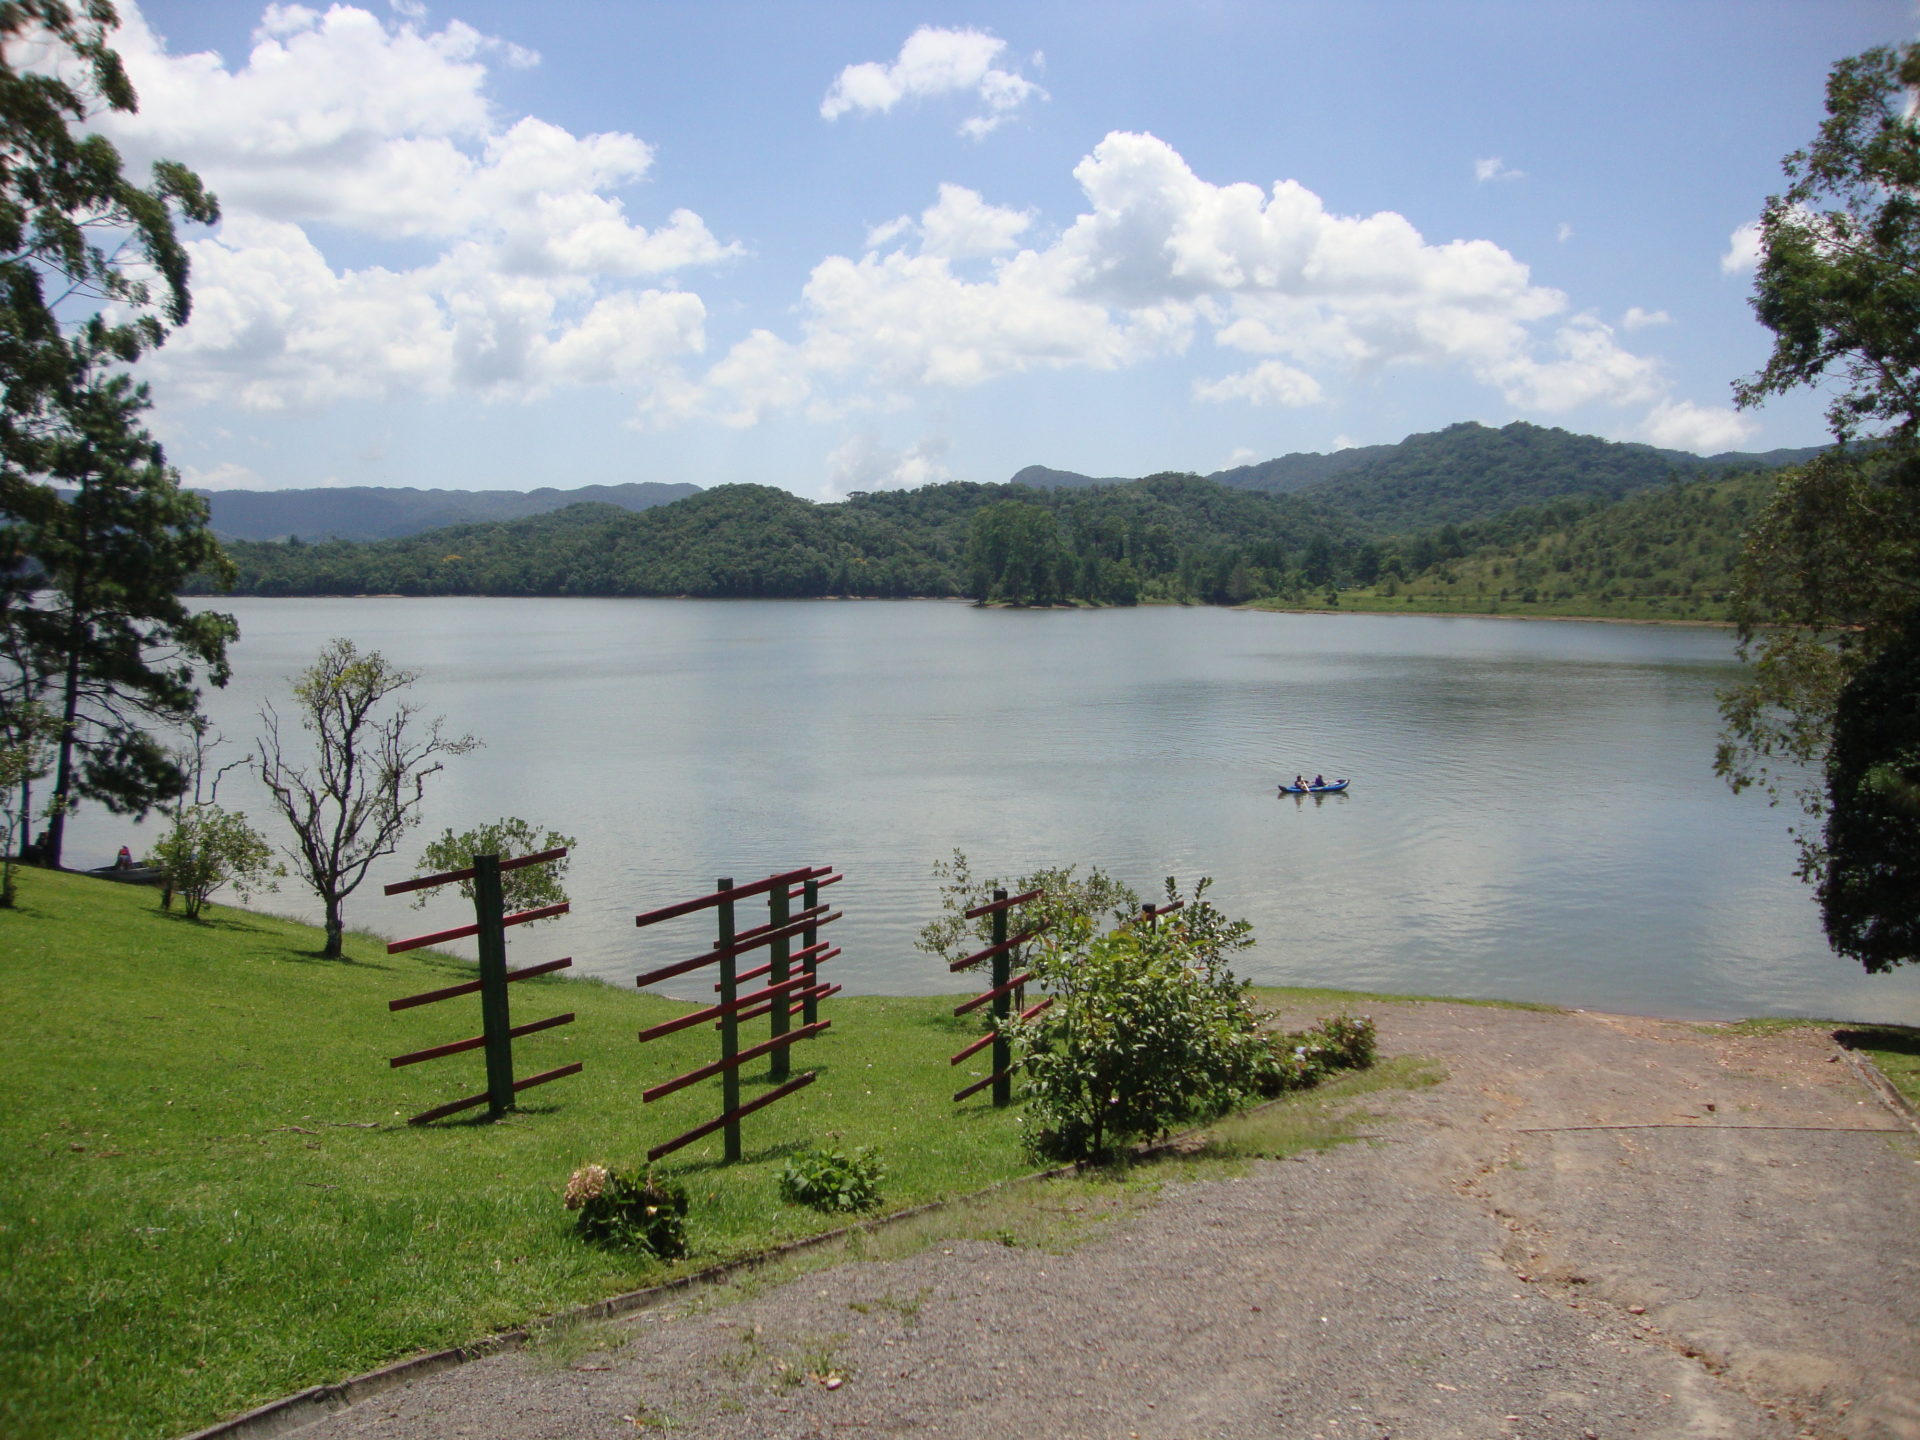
x=620 y=1211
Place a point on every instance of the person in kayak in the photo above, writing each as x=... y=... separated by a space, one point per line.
x=1319 y=782
x=1298 y=783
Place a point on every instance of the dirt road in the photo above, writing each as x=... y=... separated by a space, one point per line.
x=1594 y=1227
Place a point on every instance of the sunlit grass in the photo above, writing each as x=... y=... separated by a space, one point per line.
x=211 y=1198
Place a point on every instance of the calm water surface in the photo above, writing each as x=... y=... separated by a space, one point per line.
x=1533 y=813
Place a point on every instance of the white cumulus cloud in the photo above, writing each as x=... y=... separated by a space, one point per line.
x=862 y=462
x=1160 y=256
x=1743 y=250
x=933 y=62
x=1492 y=167
x=1703 y=429
x=346 y=129
x=1638 y=319
x=1268 y=383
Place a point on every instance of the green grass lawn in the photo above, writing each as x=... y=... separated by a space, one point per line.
x=211 y=1197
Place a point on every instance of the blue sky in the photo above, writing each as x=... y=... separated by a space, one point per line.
x=837 y=247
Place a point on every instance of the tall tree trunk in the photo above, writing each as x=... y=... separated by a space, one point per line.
x=70 y=702
x=63 y=770
x=334 y=927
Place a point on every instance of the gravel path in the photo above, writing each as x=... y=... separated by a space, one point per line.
x=1488 y=1268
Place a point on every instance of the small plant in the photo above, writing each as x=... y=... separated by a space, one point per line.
x=1302 y=1059
x=834 y=1180
x=624 y=1212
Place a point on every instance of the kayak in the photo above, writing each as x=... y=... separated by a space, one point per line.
x=1332 y=788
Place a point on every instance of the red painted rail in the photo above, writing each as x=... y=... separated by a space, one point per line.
x=994 y=994
x=738 y=892
x=401 y=887
x=455 y=1107
x=732 y=1116
x=695 y=1017
x=461 y=932
x=1006 y=904
x=979 y=1085
x=1005 y=947
x=472 y=987
x=762 y=936
x=455 y=1047
x=753 y=1052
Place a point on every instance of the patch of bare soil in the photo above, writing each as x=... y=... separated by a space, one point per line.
x=1596 y=1226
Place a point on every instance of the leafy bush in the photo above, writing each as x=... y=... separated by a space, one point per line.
x=834 y=1180
x=1304 y=1058
x=625 y=1212
x=531 y=887
x=1148 y=1028
x=208 y=847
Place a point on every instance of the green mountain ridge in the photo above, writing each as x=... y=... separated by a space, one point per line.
x=1466 y=472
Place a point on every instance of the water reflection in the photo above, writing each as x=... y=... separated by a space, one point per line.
x=1533 y=813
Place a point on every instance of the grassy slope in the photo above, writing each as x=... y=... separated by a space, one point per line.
x=211 y=1198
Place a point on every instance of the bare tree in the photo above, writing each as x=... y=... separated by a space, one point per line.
x=372 y=757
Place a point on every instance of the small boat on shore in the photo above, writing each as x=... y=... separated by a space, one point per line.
x=130 y=874
x=1332 y=787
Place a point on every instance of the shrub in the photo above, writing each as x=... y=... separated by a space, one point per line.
x=833 y=1179
x=625 y=1212
x=1148 y=1028
x=1304 y=1058
x=208 y=847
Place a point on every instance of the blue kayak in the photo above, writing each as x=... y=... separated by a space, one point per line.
x=1334 y=788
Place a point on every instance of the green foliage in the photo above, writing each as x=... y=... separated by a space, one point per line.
x=1870 y=891
x=834 y=1180
x=1015 y=555
x=364 y=785
x=26 y=749
x=1066 y=900
x=1669 y=552
x=1301 y=1059
x=619 y=1211
x=1169 y=537
x=207 y=848
x=531 y=887
x=1149 y=1028
x=1839 y=277
x=113 y=651
x=1830 y=576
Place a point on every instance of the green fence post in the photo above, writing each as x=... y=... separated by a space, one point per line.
x=494 y=1015
x=810 y=897
x=780 y=955
x=1002 y=1008
x=729 y=1026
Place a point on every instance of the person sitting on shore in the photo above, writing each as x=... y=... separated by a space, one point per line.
x=124 y=860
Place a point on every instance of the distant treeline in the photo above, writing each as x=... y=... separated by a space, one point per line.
x=1664 y=551
x=1169 y=537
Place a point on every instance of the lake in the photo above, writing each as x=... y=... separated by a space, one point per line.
x=1533 y=813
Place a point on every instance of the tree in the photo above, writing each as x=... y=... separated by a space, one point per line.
x=92 y=274
x=1830 y=571
x=208 y=847
x=1015 y=554
x=531 y=887
x=25 y=732
x=1870 y=892
x=116 y=652
x=371 y=759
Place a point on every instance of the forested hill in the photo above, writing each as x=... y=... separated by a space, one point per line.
x=1166 y=537
x=1468 y=472
x=371 y=512
x=1667 y=553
